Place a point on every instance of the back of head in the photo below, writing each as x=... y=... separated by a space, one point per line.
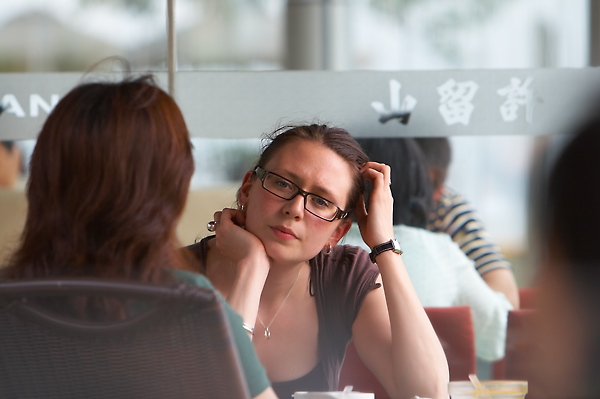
x=573 y=214
x=438 y=155
x=572 y=222
x=109 y=178
x=336 y=139
x=411 y=187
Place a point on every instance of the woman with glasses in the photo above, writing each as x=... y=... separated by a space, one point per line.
x=302 y=297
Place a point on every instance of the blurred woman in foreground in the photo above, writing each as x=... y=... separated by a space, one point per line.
x=568 y=362
x=109 y=179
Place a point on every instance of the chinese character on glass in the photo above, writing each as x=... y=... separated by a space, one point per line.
x=455 y=102
x=517 y=95
x=402 y=113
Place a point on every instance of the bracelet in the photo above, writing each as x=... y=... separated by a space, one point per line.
x=248 y=328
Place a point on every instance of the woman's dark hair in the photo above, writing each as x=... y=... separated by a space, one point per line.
x=411 y=187
x=336 y=139
x=572 y=220
x=573 y=214
x=109 y=179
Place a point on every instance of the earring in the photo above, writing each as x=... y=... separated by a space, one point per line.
x=243 y=207
x=327 y=249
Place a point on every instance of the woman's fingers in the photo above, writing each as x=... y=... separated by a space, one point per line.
x=213 y=224
x=380 y=167
x=377 y=173
x=238 y=217
x=227 y=215
x=232 y=240
x=376 y=225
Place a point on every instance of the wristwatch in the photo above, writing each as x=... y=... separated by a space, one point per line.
x=391 y=245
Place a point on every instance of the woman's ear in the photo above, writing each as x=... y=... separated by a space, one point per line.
x=340 y=231
x=244 y=191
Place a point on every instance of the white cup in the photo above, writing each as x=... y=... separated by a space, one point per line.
x=347 y=393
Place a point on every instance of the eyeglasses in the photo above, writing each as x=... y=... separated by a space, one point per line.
x=283 y=188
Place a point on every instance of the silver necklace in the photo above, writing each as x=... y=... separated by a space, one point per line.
x=267 y=331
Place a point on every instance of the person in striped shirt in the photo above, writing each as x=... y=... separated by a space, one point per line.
x=454 y=215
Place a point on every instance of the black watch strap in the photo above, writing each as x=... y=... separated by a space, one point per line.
x=391 y=245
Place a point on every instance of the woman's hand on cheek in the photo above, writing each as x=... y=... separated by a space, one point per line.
x=376 y=226
x=234 y=242
x=248 y=254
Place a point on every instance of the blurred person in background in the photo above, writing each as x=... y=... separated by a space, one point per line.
x=454 y=215
x=13 y=203
x=440 y=272
x=10 y=164
x=568 y=327
x=109 y=179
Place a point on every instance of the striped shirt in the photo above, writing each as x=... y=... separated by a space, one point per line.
x=453 y=215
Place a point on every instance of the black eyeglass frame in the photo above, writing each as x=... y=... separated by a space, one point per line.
x=262 y=175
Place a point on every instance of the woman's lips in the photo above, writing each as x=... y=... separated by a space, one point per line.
x=284 y=233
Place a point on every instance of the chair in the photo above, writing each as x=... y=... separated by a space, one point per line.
x=180 y=346
x=354 y=372
x=519 y=344
x=454 y=328
x=518 y=322
x=527 y=297
x=521 y=351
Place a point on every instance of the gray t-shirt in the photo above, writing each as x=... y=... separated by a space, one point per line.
x=339 y=282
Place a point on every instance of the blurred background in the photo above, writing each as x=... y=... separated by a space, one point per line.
x=262 y=35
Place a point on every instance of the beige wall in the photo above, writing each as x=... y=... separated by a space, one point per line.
x=13 y=211
x=199 y=210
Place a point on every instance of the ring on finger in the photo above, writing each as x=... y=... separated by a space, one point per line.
x=211 y=226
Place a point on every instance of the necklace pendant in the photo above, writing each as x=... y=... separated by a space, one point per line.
x=267 y=332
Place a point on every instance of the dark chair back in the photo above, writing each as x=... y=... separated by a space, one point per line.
x=354 y=372
x=517 y=319
x=528 y=297
x=520 y=345
x=179 y=346
x=454 y=328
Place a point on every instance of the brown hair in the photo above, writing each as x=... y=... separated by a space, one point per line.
x=109 y=179
x=569 y=224
x=335 y=138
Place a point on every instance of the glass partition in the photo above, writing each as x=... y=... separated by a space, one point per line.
x=493 y=172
